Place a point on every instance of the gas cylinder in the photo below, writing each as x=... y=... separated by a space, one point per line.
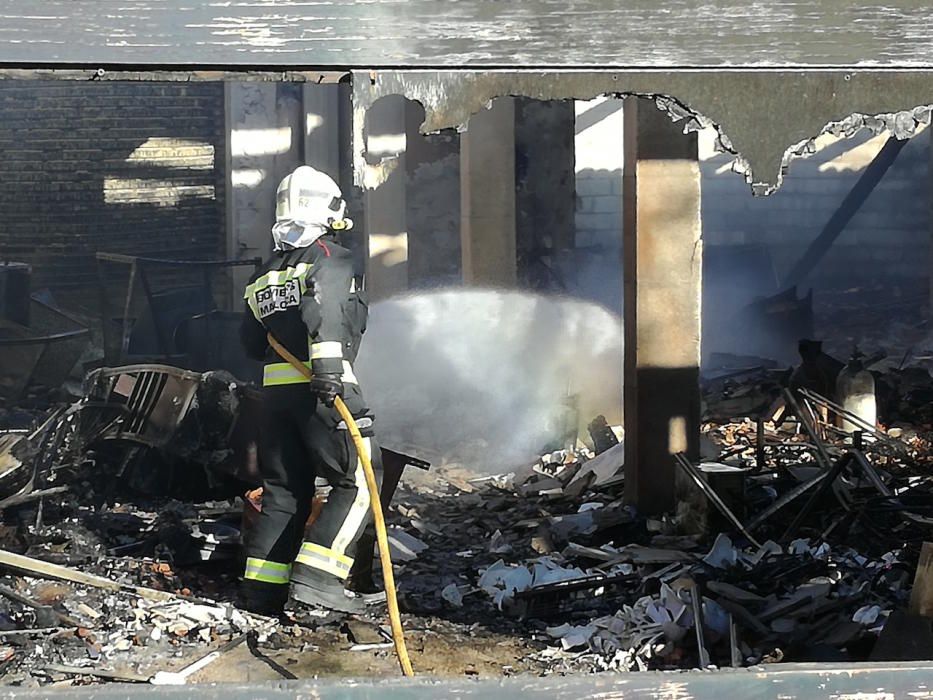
x=855 y=391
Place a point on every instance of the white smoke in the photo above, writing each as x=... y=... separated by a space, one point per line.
x=480 y=377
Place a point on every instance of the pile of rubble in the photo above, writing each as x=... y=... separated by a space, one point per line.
x=793 y=540
x=116 y=592
x=812 y=522
x=599 y=588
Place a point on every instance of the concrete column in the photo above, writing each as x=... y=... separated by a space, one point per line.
x=386 y=135
x=662 y=282
x=487 y=196
x=322 y=128
x=545 y=187
x=433 y=165
x=264 y=143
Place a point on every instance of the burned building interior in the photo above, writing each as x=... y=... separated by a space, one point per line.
x=649 y=349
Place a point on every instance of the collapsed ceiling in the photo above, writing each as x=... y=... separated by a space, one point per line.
x=766 y=118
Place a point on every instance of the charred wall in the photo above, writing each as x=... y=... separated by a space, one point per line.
x=126 y=167
x=544 y=189
x=433 y=205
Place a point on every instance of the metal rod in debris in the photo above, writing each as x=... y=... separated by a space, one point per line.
x=735 y=652
x=827 y=484
x=711 y=494
x=697 y=603
x=825 y=461
x=853 y=418
x=788 y=497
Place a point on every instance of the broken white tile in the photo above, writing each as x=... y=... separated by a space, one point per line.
x=604 y=467
x=769 y=548
x=867 y=615
x=372 y=647
x=502 y=581
x=622 y=570
x=672 y=603
x=565 y=526
x=593 y=505
x=658 y=614
x=577 y=637
x=205 y=614
x=452 y=595
x=723 y=554
x=498 y=544
x=546 y=571
x=615 y=624
x=558 y=631
x=404 y=547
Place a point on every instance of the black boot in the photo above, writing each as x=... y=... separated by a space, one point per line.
x=367 y=590
x=262 y=598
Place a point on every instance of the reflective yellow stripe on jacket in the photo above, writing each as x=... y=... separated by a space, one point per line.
x=282 y=373
x=273 y=278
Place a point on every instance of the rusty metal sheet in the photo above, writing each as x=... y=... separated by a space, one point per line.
x=766 y=117
x=426 y=33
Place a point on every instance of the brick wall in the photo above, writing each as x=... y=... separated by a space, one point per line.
x=886 y=242
x=599 y=172
x=595 y=270
x=124 y=167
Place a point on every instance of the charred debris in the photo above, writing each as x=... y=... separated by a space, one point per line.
x=798 y=536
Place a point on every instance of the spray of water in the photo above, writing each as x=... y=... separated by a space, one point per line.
x=480 y=377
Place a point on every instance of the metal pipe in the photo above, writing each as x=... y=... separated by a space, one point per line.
x=711 y=494
x=822 y=455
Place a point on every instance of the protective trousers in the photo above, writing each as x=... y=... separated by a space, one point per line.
x=299 y=441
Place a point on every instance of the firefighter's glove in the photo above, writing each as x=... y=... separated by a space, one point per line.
x=327 y=387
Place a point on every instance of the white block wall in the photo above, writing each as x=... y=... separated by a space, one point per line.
x=599 y=159
x=887 y=241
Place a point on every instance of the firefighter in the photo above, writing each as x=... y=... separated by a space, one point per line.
x=308 y=298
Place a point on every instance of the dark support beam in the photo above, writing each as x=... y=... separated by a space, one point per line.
x=662 y=260
x=853 y=201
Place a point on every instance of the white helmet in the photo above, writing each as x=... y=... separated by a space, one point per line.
x=307 y=204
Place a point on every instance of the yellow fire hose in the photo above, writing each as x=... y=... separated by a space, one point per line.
x=398 y=634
